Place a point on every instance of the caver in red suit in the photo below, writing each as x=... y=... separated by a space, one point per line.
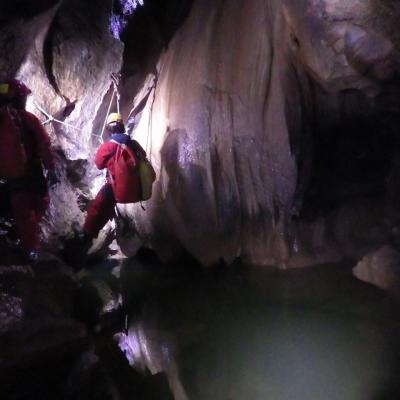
x=28 y=194
x=101 y=209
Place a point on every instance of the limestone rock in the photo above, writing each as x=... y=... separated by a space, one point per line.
x=240 y=94
x=68 y=68
x=38 y=334
x=381 y=268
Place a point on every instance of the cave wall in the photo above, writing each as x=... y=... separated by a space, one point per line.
x=65 y=53
x=69 y=66
x=18 y=31
x=237 y=97
x=209 y=112
x=240 y=93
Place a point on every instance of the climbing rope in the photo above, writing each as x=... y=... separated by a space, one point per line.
x=105 y=119
x=50 y=118
x=115 y=79
x=115 y=82
x=136 y=109
x=150 y=124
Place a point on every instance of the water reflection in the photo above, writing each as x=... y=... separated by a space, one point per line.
x=260 y=335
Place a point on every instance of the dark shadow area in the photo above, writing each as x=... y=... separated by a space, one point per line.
x=355 y=155
x=24 y=8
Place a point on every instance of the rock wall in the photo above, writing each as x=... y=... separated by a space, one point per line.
x=65 y=53
x=239 y=95
x=69 y=67
x=241 y=105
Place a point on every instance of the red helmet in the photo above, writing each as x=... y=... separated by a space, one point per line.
x=14 y=88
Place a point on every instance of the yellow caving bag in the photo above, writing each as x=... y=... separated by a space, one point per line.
x=147 y=177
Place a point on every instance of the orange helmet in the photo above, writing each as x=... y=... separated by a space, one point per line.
x=13 y=89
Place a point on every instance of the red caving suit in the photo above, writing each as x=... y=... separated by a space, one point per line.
x=101 y=209
x=29 y=195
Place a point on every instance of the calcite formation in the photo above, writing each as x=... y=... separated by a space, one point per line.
x=243 y=97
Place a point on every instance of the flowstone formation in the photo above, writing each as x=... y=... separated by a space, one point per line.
x=272 y=127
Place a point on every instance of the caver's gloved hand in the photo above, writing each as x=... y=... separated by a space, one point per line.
x=52 y=177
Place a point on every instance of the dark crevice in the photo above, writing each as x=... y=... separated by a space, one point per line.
x=147 y=34
x=24 y=8
x=48 y=61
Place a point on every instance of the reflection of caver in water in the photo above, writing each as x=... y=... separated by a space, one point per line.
x=101 y=210
x=24 y=149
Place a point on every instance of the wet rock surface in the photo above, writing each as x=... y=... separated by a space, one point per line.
x=262 y=135
x=50 y=347
x=39 y=335
x=382 y=269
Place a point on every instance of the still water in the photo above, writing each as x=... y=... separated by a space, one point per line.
x=245 y=333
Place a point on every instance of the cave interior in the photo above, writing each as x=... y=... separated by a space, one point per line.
x=266 y=264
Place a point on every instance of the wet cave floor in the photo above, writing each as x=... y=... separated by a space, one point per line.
x=248 y=333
